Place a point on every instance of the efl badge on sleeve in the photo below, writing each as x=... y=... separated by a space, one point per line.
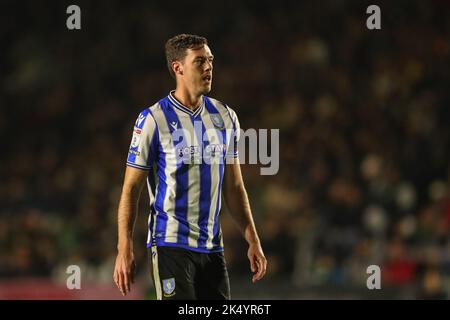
x=217 y=120
x=136 y=138
x=169 y=287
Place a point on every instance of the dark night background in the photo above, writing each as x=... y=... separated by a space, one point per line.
x=364 y=140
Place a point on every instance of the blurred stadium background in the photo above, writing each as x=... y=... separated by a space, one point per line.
x=364 y=131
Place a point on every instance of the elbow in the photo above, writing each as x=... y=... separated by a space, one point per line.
x=238 y=186
x=131 y=191
x=237 y=189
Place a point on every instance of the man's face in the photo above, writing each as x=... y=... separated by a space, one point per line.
x=197 y=70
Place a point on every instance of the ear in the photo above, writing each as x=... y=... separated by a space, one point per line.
x=177 y=68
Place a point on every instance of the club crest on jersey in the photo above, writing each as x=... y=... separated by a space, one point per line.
x=169 y=287
x=217 y=120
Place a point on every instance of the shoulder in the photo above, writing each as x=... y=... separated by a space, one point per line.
x=223 y=108
x=147 y=116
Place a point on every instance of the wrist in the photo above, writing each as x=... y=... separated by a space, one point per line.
x=254 y=242
x=125 y=245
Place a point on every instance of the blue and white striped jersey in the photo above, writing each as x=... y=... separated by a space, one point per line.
x=185 y=153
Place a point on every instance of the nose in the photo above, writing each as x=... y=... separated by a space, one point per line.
x=209 y=65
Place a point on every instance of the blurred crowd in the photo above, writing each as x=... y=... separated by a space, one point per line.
x=363 y=115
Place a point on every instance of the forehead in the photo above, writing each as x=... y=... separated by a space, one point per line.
x=203 y=51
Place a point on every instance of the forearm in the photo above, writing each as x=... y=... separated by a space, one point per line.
x=127 y=214
x=239 y=207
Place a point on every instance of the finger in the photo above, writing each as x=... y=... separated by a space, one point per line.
x=119 y=281
x=264 y=266
x=254 y=278
x=260 y=272
x=252 y=264
x=126 y=281
x=115 y=276
x=257 y=272
x=116 y=279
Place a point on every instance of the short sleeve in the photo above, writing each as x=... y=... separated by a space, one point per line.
x=144 y=141
x=232 y=151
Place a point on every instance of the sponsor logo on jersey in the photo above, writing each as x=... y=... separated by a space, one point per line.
x=135 y=152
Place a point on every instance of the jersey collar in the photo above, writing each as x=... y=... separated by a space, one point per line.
x=183 y=108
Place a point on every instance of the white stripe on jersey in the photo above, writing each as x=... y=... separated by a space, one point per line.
x=156 y=277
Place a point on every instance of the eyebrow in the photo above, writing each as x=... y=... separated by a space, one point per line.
x=203 y=57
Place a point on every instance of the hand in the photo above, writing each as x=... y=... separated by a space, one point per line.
x=124 y=271
x=258 y=262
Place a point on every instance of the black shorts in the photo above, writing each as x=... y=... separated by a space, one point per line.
x=181 y=274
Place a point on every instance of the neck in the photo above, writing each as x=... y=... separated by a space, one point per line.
x=191 y=101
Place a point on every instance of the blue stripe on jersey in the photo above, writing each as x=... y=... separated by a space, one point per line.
x=132 y=156
x=161 y=217
x=212 y=109
x=205 y=184
x=182 y=176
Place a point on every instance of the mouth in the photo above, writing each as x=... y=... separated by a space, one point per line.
x=207 y=78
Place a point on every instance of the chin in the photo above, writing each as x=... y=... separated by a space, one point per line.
x=205 y=89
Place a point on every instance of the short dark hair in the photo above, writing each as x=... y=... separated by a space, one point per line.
x=176 y=47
